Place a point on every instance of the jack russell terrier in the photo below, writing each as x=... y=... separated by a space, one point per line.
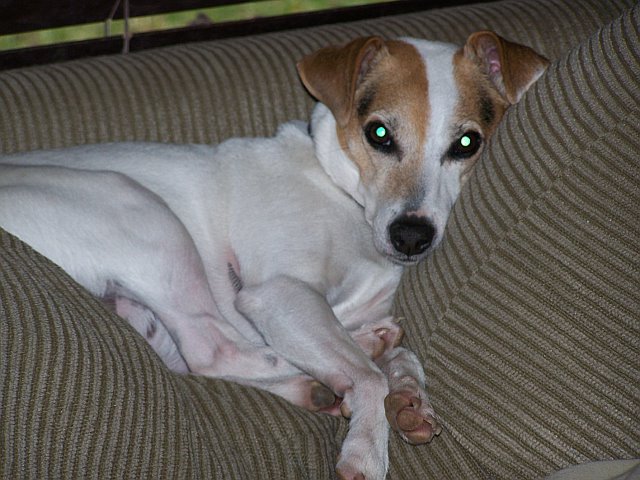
x=274 y=262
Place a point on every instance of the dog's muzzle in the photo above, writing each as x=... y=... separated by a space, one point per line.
x=411 y=235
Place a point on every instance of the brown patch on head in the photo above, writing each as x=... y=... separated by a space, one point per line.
x=395 y=94
x=479 y=106
x=511 y=67
x=492 y=74
x=332 y=74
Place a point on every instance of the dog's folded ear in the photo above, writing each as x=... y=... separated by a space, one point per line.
x=332 y=74
x=511 y=67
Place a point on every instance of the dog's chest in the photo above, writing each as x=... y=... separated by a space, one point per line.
x=287 y=218
x=366 y=293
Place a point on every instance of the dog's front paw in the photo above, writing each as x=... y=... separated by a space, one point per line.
x=364 y=454
x=410 y=414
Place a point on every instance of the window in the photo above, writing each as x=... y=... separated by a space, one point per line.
x=41 y=31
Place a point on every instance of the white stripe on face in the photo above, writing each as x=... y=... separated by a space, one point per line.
x=441 y=182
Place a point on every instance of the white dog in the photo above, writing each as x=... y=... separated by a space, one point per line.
x=274 y=262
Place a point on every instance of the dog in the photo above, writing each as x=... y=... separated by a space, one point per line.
x=273 y=262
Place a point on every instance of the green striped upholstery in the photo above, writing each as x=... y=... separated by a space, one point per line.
x=206 y=92
x=527 y=317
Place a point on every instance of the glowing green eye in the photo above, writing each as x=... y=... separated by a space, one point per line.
x=379 y=137
x=467 y=145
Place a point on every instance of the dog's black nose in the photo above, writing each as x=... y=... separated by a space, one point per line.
x=411 y=235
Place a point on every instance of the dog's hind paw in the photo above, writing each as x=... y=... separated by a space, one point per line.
x=377 y=340
x=410 y=414
x=322 y=398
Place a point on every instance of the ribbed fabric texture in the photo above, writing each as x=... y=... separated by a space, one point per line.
x=532 y=305
x=206 y=92
x=526 y=317
x=83 y=396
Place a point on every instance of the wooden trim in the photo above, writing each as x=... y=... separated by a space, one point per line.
x=113 y=45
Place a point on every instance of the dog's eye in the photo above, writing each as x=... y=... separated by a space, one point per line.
x=467 y=145
x=379 y=136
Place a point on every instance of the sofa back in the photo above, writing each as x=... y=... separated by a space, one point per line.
x=207 y=92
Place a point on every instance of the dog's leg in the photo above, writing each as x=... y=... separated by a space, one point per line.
x=171 y=286
x=378 y=338
x=145 y=322
x=181 y=299
x=214 y=348
x=297 y=388
x=407 y=406
x=298 y=323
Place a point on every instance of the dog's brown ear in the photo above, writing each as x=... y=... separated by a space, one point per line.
x=511 y=67
x=333 y=74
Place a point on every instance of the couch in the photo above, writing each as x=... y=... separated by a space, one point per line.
x=527 y=317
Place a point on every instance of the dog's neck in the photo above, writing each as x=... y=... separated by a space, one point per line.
x=334 y=161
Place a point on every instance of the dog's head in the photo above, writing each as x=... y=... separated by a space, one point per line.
x=400 y=124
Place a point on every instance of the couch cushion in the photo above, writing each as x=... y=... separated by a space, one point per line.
x=82 y=395
x=528 y=315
